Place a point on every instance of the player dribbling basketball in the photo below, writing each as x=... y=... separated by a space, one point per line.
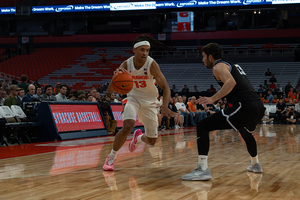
x=140 y=100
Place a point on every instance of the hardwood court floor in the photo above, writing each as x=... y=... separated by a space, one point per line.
x=73 y=169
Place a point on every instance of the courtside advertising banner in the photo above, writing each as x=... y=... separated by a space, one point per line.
x=117 y=112
x=70 y=117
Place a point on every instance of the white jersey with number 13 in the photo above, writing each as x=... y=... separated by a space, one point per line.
x=143 y=89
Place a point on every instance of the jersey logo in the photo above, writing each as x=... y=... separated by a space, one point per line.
x=140 y=77
x=125 y=85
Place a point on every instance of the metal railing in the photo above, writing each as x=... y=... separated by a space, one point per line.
x=226 y=53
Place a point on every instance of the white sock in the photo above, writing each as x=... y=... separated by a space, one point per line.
x=139 y=139
x=203 y=161
x=254 y=160
x=114 y=153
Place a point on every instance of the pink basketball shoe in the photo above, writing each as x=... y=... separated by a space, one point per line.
x=133 y=144
x=109 y=164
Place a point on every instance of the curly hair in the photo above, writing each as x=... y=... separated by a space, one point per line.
x=24 y=78
x=153 y=42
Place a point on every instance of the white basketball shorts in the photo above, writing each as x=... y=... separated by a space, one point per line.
x=147 y=115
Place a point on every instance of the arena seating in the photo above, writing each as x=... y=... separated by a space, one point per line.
x=82 y=68
x=90 y=71
x=43 y=61
x=197 y=74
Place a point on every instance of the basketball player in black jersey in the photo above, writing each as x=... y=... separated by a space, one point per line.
x=243 y=116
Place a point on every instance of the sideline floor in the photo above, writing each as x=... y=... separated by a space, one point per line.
x=73 y=169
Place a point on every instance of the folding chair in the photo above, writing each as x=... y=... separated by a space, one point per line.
x=3 y=139
x=19 y=114
x=7 y=114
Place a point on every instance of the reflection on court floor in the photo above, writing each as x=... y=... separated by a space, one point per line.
x=73 y=169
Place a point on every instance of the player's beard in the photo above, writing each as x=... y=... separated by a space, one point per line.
x=209 y=65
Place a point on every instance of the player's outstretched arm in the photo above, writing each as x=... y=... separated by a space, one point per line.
x=222 y=72
x=163 y=84
x=123 y=67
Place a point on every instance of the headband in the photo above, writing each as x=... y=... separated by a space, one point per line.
x=136 y=45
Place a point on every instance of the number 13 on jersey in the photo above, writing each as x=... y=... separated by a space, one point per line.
x=140 y=84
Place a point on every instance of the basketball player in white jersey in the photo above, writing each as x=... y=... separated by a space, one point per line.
x=140 y=100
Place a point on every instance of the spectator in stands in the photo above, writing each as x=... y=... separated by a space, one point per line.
x=287 y=88
x=261 y=97
x=61 y=96
x=47 y=96
x=291 y=115
x=211 y=89
x=2 y=96
x=297 y=108
x=280 y=110
x=266 y=100
x=57 y=88
x=270 y=96
x=278 y=88
x=296 y=100
x=12 y=97
x=182 y=108
x=273 y=86
x=195 y=89
x=275 y=100
x=23 y=83
x=14 y=81
x=112 y=97
x=197 y=114
x=184 y=100
x=160 y=91
x=260 y=89
x=106 y=98
x=266 y=118
x=265 y=84
x=227 y=105
x=217 y=106
x=273 y=79
x=5 y=84
x=174 y=89
x=288 y=98
x=21 y=94
x=185 y=89
x=36 y=83
x=93 y=92
x=104 y=56
x=291 y=93
x=30 y=94
x=177 y=115
x=110 y=123
x=39 y=92
x=89 y=98
x=81 y=97
x=98 y=96
x=268 y=73
x=158 y=103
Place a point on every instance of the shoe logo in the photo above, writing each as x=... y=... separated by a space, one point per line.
x=198 y=173
x=125 y=85
x=198 y=138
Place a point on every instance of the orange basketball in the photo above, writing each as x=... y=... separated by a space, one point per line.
x=122 y=82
